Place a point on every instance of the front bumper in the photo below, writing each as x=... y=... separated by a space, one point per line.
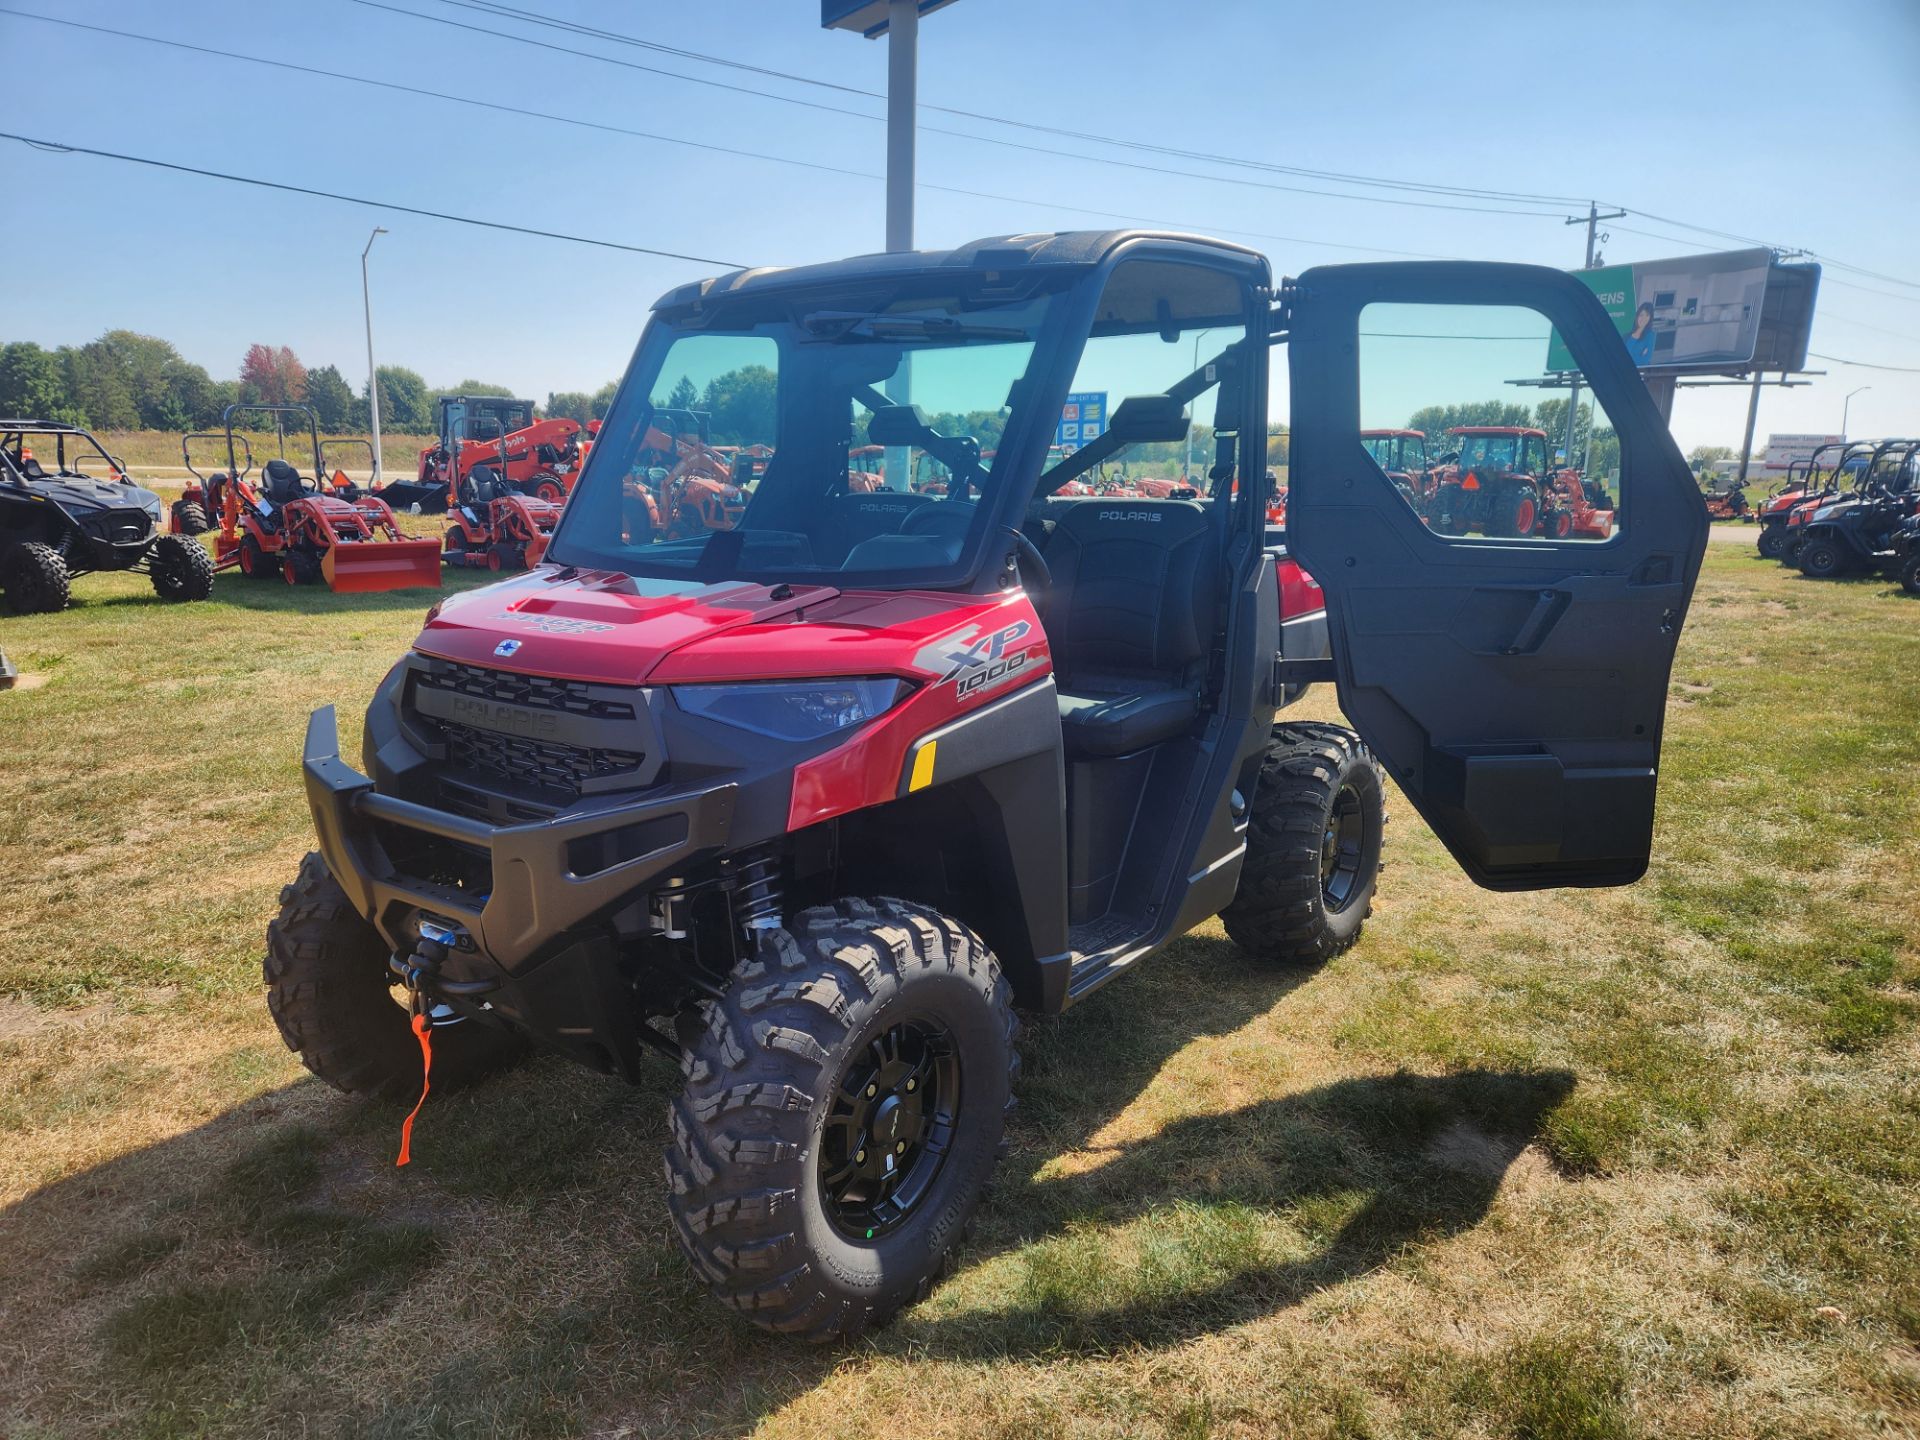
x=548 y=877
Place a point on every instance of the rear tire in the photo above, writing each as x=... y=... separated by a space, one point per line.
x=1513 y=512
x=1313 y=847
x=800 y=1090
x=1452 y=512
x=327 y=988
x=189 y=518
x=35 y=579
x=1910 y=575
x=180 y=569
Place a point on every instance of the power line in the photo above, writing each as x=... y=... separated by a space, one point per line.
x=694 y=144
x=1864 y=365
x=962 y=134
x=497 y=9
x=56 y=147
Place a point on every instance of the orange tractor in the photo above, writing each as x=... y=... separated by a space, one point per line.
x=289 y=525
x=534 y=457
x=692 y=485
x=1498 y=480
x=490 y=523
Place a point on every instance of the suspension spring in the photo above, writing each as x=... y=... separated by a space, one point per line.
x=758 y=895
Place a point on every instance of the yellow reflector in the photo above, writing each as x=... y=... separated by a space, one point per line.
x=923 y=767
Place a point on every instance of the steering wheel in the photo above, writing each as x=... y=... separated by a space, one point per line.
x=1030 y=555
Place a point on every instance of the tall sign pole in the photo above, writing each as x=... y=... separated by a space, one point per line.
x=903 y=83
x=1592 y=221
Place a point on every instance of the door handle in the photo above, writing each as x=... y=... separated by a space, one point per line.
x=1547 y=608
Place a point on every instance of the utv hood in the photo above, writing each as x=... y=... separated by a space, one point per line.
x=610 y=628
x=79 y=495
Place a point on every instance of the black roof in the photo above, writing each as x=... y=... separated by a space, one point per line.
x=998 y=252
x=43 y=427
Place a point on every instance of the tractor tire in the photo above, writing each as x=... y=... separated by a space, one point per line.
x=1313 y=847
x=179 y=569
x=302 y=568
x=453 y=550
x=545 y=485
x=35 y=580
x=1513 y=512
x=861 y=1034
x=1822 y=558
x=1557 y=524
x=255 y=562
x=189 y=518
x=328 y=990
x=1770 y=541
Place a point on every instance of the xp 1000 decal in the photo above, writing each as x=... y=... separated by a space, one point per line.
x=975 y=661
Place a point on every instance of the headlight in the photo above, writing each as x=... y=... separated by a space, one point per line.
x=152 y=506
x=792 y=709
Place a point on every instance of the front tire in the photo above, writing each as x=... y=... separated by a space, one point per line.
x=1313 y=847
x=1821 y=558
x=1910 y=575
x=1772 y=538
x=327 y=988
x=844 y=1108
x=180 y=569
x=35 y=579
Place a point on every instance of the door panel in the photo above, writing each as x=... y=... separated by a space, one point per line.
x=1504 y=623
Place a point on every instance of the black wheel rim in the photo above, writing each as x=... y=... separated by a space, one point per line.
x=891 y=1128
x=1341 y=848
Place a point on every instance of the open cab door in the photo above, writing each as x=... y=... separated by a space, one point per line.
x=1503 y=627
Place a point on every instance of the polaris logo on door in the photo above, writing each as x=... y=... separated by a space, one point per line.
x=978 y=663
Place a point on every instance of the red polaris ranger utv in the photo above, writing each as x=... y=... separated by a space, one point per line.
x=812 y=804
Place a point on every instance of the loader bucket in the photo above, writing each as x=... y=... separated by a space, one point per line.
x=382 y=565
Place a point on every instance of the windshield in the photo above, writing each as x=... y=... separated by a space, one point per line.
x=33 y=454
x=782 y=440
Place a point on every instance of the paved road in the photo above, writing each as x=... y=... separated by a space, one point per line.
x=1734 y=534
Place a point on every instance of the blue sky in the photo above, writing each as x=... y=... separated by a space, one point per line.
x=1785 y=122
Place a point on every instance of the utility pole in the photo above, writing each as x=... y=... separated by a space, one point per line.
x=373 y=376
x=1591 y=220
x=1846 y=405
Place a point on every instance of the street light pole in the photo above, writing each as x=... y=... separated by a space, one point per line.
x=373 y=376
x=1186 y=469
x=1591 y=220
x=1845 y=405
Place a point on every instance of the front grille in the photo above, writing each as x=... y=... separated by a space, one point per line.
x=535 y=762
x=117 y=527
x=573 y=696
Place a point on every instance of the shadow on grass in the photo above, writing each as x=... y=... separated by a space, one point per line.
x=212 y=1281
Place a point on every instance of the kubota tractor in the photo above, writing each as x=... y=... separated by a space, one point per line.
x=492 y=525
x=1498 y=480
x=1402 y=454
x=291 y=526
x=815 y=805
x=532 y=456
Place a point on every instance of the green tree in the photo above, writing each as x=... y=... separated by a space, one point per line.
x=742 y=404
x=332 y=399
x=96 y=385
x=569 y=405
x=32 y=385
x=405 y=402
x=684 y=396
x=1436 y=420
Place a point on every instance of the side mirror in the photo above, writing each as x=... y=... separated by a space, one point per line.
x=1147 y=420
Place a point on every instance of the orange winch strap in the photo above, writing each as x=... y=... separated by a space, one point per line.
x=423 y=1027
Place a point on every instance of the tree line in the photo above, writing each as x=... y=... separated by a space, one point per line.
x=128 y=381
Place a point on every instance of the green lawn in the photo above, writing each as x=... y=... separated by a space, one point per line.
x=1637 y=1163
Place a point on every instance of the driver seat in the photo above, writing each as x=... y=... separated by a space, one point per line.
x=1130 y=619
x=281 y=482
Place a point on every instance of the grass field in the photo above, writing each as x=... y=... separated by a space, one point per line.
x=1636 y=1163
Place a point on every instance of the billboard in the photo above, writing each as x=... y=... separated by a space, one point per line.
x=1700 y=312
x=1785 y=450
x=1082 y=418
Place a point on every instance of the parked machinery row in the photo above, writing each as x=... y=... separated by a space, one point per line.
x=1850 y=508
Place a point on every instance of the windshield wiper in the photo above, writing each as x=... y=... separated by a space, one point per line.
x=845 y=324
